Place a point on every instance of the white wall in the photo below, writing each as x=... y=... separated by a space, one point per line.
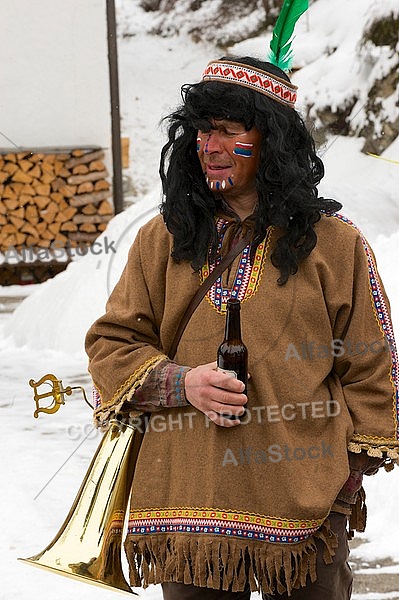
x=54 y=85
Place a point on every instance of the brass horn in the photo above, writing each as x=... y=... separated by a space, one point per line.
x=88 y=544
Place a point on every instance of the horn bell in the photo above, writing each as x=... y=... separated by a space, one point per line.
x=88 y=544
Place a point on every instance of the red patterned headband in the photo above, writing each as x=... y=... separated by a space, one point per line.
x=261 y=81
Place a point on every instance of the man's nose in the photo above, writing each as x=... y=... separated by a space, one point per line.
x=213 y=143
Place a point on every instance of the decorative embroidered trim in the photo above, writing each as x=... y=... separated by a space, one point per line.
x=170 y=385
x=124 y=393
x=137 y=378
x=270 y=85
x=383 y=320
x=227 y=563
x=247 y=277
x=117 y=522
x=377 y=447
x=224 y=523
x=373 y=440
x=96 y=397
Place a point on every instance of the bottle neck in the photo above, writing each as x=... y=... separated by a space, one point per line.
x=233 y=323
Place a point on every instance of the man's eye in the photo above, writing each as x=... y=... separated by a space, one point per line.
x=231 y=133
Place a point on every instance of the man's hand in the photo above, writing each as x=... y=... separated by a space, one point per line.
x=361 y=462
x=214 y=393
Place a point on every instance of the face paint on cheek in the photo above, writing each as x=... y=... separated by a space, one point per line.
x=198 y=144
x=242 y=149
x=206 y=147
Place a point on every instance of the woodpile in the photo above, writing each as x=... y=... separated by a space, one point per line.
x=60 y=197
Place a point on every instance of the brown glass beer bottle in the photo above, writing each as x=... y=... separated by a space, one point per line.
x=232 y=355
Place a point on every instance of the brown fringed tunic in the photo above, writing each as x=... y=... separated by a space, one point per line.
x=215 y=506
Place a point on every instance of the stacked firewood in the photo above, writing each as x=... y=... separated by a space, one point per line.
x=53 y=197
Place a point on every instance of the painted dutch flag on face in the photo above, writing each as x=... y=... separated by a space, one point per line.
x=242 y=149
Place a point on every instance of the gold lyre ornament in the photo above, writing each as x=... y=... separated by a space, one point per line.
x=57 y=393
x=88 y=545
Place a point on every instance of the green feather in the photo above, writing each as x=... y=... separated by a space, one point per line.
x=280 y=46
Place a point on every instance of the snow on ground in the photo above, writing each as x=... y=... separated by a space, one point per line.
x=376 y=596
x=43 y=461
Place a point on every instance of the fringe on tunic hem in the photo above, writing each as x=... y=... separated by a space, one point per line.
x=227 y=564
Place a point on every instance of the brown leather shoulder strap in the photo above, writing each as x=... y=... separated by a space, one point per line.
x=203 y=289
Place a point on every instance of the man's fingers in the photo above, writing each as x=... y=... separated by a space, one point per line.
x=220 y=378
x=225 y=381
x=216 y=394
x=216 y=385
x=218 y=419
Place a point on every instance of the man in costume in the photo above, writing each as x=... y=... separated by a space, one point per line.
x=221 y=507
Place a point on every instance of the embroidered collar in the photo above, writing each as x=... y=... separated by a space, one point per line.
x=247 y=277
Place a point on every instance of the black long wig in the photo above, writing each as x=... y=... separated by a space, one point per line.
x=289 y=171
